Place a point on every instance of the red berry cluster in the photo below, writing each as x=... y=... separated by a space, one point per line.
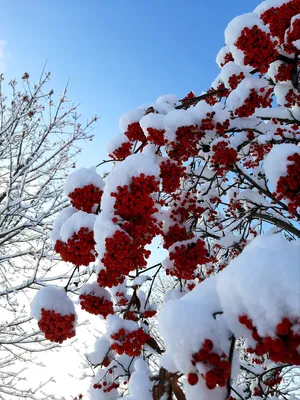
x=288 y=186
x=79 y=249
x=136 y=207
x=189 y=96
x=186 y=257
x=110 y=278
x=105 y=384
x=274 y=379
x=255 y=100
x=286 y=132
x=123 y=254
x=283 y=347
x=292 y=34
x=219 y=366
x=96 y=305
x=185 y=207
x=57 y=327
x=208 y=124
x=257 y=153
x=135 y=132
x=186 y=101
x=131 y=315
x=121 y=299
x=250 y=136
x=257 y=392
x=134 y=211
x=279 y=18
x=258 y=48
x=186 y=143
x=215 y=98
x=156 y=136
x=130 y=343
x=149 y=313
x=107 y=387
x=292 y=98
x=227 y=58
x=223 y=157
x=171 y=173
x=235 y=80
x=86 y=197
x=233 y=208
x=212 y=99
x=122 y=152
x=284 y=72
x=176 y=233
x=221 y=127
x=191 y=286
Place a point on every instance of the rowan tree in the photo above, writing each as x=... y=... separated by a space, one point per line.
x=39 y=137
x=215 y=179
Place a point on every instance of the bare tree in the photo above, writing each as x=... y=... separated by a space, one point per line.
x=39 y=140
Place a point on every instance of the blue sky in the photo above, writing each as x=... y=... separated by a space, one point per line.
x=118 y=53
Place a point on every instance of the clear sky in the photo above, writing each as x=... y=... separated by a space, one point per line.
x=118 y=53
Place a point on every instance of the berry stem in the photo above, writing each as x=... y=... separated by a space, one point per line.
x=76 y=268
x=230 y=359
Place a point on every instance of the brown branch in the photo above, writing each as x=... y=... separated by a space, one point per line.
x=194 y=100
x=255 y=184
x=278 y=222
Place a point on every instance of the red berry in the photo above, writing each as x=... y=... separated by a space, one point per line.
x=193 y=378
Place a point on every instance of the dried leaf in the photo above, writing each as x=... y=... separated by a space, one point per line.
x=176 y=388
x=153 y=343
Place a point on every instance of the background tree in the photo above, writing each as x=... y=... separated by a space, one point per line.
x=40 y=135
x=215 y=180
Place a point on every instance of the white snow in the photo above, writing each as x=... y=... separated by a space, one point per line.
x=98 y=394
x=233 y=32
x=139 y=384
x=276 y=162
x=101 y=348
x=95 y=290
x=221 y=55
x=83 y=177
x=262 y=282
x=237 y=97
x=178 y=118
x=77 y=221
x=130 y=117
x=60 y=219
x=266 y=5
x=140 y=279
x=52 y=298
x=116 y=142
x=185 y=323
x=200 y=391
x=152 y=120
x=115 y=323
x=121 y=175
x=171 y=99
x=229 y=70
x=281 y=90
